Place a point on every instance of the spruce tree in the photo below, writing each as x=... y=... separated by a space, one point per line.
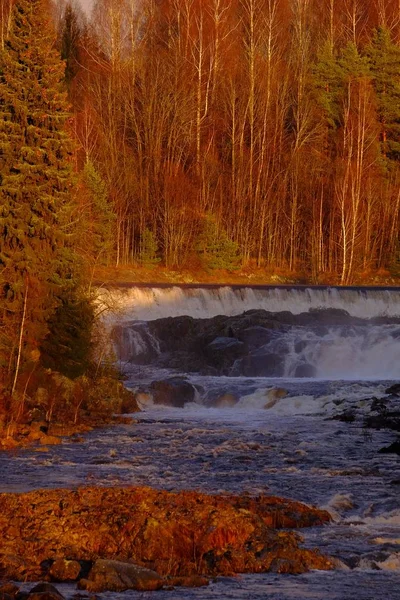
x=384 y=57
x=215 y=247
x=36 y=260
x=100 y=218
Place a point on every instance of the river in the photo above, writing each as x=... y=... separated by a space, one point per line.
x=294 y=444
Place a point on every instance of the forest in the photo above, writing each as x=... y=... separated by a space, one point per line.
x=225 y=133
x=192 y=134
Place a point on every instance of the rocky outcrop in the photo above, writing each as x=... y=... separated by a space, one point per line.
x=256 y=343
x=172 y=534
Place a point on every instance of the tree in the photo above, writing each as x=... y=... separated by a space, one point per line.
x=384 y=56
x=99 y=218
x=36 y=258
x=70 y=35
x=217 y=250
x=148 y=249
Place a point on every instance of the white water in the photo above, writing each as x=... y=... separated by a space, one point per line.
x=153 y=303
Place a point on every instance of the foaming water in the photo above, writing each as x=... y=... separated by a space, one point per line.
x=149 y=303
x=291 y=447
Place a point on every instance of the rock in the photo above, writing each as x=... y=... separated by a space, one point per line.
x=9 y=588
x=115 y=576
x=348 y=416
x=179 y=534
x=45 y=591
x=263 y=363
x=256 y=336
x=393 y=390
x=274 y=395
x=225 y=401
x=143 y=399
x=191 y=581
x=289 y=567
x=394 y=448
x=65 y=570
x=50 y=440
x=174 y=391
x=223 y=351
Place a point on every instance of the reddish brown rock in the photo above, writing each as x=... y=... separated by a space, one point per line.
x=65 y=570
x=175 y=534
x=116 y=576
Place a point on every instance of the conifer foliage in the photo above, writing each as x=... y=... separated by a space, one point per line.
x=36 y=260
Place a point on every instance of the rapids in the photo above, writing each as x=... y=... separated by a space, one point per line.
x=295 y=445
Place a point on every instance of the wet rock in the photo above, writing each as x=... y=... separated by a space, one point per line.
x=223 y=351
x=175 y=391
x=65 y=570
x=284 y=565
x=256 y=336
x=263 y=363
x=225 y=401
x=393 y=390
x=273 y=396
x=44 y=591
x=348 y=416
x=394 y=448
x=115 y=576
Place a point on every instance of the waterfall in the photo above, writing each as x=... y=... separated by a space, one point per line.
x=149 y=303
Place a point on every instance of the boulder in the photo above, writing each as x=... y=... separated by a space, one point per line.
x=223 y=351
x=394 y=390
x=174 y=391
x=44 y=591
x=256 y=336
x=263 y=363
x=65 y=570
x=116 y=576
x=394 y=448
x=225 y=401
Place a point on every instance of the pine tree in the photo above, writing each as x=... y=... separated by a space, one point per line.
x=36 y=260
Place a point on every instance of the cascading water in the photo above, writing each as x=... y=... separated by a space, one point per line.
x=366 y=348
x=148 y=303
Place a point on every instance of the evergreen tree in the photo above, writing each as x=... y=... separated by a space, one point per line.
x=70 y=41
x=384 y=56
x=215 y=247
x=148 y=249
x=36 y=260
x=100 y=221
x=327 y=83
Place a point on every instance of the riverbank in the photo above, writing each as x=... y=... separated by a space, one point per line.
x=182 y=534
x=245 y=276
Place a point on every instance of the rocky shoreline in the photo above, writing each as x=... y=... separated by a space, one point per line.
x=141 y=538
